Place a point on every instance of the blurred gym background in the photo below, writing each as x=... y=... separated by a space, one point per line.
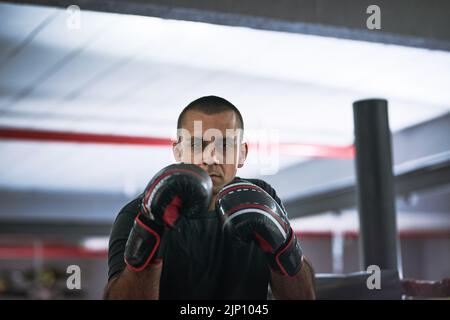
x=89 y=100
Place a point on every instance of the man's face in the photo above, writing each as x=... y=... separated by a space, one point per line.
x=211 y=142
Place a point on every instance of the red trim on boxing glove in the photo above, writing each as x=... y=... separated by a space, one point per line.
x=168 y=173
x=172 y=211
x=292 y=255
x=264 y=245
x=143 y=242
x=277 y=256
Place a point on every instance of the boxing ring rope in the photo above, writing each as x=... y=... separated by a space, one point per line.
x=295 y=149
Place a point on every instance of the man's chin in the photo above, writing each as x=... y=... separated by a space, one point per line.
x=216 y=189
x=218 y=184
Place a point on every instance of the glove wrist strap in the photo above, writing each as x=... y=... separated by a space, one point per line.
x=288 y=259
x=143 y=242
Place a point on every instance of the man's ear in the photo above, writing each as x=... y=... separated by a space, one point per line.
x=176 y=151
x=243 y=151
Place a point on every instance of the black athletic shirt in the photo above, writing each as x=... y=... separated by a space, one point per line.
x=200 y=261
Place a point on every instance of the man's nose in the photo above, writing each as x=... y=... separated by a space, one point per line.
x=210 y=156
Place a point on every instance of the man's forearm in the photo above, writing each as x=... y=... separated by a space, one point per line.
x=298 y=287
x=136 y=285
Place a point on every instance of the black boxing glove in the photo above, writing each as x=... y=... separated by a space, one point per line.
x=251 y=214
x=175 y=191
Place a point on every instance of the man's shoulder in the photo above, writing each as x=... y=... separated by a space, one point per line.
x=131 y=208
x=260 y=183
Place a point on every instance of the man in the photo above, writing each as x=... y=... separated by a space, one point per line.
x=156 y=254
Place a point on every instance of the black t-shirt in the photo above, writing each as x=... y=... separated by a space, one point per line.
x=200 y=261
